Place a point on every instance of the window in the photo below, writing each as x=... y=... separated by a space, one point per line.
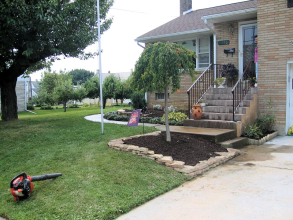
x=203 y=52
x=202 y=47
x=161 y=96
x=290 y=3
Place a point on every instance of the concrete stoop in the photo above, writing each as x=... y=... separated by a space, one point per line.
x=168 y=161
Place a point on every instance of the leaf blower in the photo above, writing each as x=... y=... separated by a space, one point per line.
x=21 y=185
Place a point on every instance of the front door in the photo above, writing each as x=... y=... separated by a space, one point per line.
x=290 y=96
x=247 y=32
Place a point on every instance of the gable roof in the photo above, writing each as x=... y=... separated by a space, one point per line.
x=193 y=23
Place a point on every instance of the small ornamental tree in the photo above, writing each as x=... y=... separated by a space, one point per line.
x=92 y=86
x=63 y=92
x=110 y=85
x=159 y=68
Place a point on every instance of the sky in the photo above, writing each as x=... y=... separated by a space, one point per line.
x=131 y=19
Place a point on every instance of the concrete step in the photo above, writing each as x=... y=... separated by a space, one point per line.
x=213 y=134
x=246 y=103
x=216 y=124
x=223 y=109
x=222 y=116
x=237 y=143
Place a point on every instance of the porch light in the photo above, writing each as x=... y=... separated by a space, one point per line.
x=231 y=29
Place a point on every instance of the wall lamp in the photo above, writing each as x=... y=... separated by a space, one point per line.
x=231 y=29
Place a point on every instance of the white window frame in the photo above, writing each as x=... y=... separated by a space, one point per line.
x=160 y=96
x=196 y=50
x=198 y=53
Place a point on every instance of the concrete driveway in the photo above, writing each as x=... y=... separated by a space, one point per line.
x=255 y=185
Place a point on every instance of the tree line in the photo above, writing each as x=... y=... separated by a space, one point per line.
x=59 y=88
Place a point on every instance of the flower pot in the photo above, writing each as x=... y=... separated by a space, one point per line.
x=196 y=112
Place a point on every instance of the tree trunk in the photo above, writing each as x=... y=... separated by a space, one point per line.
x=168 y=135
x=64 y=106
x=104 y=102
x=9 y=100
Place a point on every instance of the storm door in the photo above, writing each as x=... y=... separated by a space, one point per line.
x=246 y=49
x=289 y=111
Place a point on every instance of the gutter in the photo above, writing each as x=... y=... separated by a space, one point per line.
x=140 y=45
x=144 y=39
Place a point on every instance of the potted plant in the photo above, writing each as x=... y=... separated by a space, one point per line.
x=220 y=82
x=252 y=81
x=230 y=72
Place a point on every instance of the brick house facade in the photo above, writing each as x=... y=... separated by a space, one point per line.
x=236 y=25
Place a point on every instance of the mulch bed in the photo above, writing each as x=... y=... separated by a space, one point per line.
x=183 y=147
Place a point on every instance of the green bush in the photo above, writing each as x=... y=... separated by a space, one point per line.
x=73 y=106
x=138 y=101
x=266 y=123
x=46 y=107
x=253 y=131
x=85 y=105
x=30 y=106
x=176 y=116
x=114 y=116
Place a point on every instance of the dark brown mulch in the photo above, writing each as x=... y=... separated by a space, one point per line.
x=183 y=147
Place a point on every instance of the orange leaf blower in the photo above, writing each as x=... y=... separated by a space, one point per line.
x=21 y=185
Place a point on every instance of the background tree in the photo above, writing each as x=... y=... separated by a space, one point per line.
x=159 y=68
x=80 y=76
x=93 y=87
x=34 y=33
x=109 y=86
x=46 y=89
x=123 y=90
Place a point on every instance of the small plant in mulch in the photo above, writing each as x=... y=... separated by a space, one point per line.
x=263 y=124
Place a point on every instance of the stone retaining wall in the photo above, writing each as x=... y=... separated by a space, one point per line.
x=168 y=161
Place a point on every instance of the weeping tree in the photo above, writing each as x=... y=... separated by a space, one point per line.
x=159 y=69
x=34 y=32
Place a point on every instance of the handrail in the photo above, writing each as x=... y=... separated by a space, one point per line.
x=240 y=90
x=204 y=82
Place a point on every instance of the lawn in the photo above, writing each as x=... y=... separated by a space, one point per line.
x=97 y=182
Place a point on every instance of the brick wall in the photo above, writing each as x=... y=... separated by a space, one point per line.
x=223 y=33
x=178 y=99
x=275 y=33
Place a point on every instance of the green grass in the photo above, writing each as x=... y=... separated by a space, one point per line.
x=97 y=182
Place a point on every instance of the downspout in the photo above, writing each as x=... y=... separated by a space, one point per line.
x=140 y=45
x=146 y=94
x=26 y=96
x=215 y=46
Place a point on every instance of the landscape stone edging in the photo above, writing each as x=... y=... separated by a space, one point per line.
x=263 y=140
x=168 y=161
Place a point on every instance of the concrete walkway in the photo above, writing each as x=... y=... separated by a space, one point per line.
x=255 y=185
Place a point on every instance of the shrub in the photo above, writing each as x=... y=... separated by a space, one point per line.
x=85 y=105
x=73 y=106
x=157 y=107
x=30 y=106
x=46 y=107
x=229 y=71
x=114 y=116
x=253 y=131
x=138 y=101
x=176 y=116
x=265 y=123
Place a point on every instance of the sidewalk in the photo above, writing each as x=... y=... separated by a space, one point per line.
x=255 y=185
